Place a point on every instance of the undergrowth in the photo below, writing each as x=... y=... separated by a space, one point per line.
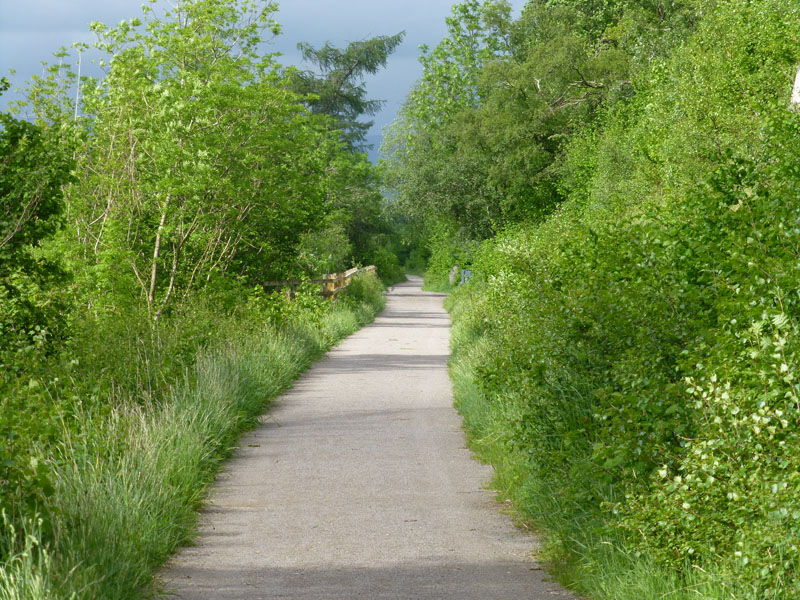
x=577 y=545
x=629 y=365
x=127 y=478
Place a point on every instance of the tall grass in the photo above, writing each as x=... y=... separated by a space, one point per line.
x=25 y=574
x=127 y=489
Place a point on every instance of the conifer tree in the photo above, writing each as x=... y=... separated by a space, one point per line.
x=337 y=87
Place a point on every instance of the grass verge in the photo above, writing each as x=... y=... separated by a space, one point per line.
x=127 y=487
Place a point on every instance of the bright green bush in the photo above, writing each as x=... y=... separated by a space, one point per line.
x=364 y=289
x=629 y=365
x=136 y=453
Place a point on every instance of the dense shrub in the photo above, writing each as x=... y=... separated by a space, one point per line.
x=389 y=269
x=364 y=289
x=633 y=358
x=34 y=164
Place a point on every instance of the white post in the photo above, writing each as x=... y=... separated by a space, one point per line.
x=796 y=90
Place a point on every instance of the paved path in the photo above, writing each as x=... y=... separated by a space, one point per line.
x=358 y=485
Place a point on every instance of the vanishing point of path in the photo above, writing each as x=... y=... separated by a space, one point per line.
x=358 y=485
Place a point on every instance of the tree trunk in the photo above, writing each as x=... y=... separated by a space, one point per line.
x=151 y=295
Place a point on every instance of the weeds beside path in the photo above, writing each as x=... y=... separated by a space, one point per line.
x=127 y=487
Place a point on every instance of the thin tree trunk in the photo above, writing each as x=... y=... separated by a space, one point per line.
x=151 y=296
x=171 y=286
x=174 y=272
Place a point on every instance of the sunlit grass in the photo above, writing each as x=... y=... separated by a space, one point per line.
x=26 y=573
x=127 y=489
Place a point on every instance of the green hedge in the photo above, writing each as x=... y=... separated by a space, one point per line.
x=630 y=365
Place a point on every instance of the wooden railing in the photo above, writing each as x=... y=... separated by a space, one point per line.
x=331 y=283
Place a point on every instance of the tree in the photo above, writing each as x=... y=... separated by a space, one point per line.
x=477 y=34
x=480 y=140
x=338 y=89
x=34 y=165
x=426 y=172
x=197 y=159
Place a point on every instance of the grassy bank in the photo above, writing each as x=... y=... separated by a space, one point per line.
x=126 y=482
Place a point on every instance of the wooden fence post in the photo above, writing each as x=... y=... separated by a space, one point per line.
x=329 y=284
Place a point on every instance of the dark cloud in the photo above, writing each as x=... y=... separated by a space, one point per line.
x=31 y=30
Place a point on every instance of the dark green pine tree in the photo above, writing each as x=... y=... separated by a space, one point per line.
x=337 y=85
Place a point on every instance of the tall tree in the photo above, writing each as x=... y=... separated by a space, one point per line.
x=337 y=86
x=197 y=159
x=426 y=172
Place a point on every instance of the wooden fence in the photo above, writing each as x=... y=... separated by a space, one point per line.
x=330 y=284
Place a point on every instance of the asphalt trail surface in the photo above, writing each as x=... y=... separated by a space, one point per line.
x=358 y=485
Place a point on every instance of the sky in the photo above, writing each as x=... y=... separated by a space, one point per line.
x=32 y=30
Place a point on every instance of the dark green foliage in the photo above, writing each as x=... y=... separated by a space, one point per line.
x=33 y=166
x=337 y=88
x=33 y=170
x=363 y=216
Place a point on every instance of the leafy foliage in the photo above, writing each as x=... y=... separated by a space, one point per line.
x=138 y=220
x=481 y=140
x=198 y=163
x=626 y=353
x=338 y=90
x=34 y=164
